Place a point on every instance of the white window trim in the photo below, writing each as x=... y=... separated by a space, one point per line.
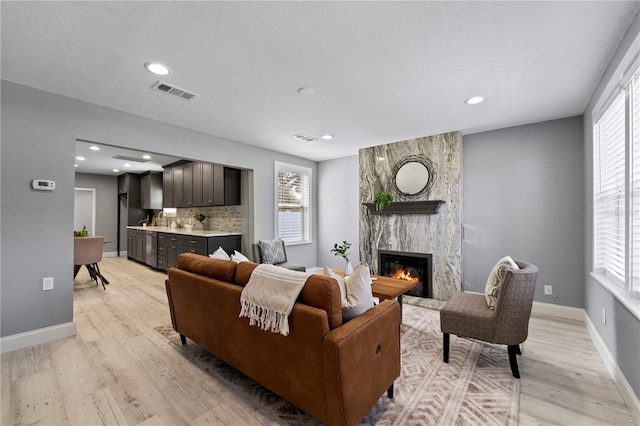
x=623 y=294
x=279 y=166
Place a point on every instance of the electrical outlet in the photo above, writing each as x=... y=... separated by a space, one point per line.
x=47 y=283
x=548 y=290
x=604 y=316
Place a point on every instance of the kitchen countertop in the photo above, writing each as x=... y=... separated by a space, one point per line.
x=182 y=231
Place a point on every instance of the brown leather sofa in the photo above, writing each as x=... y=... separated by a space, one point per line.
x=333 y=371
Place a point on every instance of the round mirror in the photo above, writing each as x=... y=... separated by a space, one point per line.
x=412 y=177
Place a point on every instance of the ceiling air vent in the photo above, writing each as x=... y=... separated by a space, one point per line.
x=127 y=158
x=303 y=137
x=173 y=90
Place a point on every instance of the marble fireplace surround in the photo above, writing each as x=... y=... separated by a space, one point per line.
x=438 y=234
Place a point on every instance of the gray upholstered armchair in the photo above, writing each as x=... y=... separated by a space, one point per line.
x=274 y=252
x=467 y=315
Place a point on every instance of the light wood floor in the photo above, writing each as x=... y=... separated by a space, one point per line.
x=118 y=370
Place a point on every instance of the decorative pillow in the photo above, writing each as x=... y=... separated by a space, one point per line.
x=359 y=295
x=239 y=257
x=272 y=251
x=496 y=280
x=343 y=289
x=220 y=254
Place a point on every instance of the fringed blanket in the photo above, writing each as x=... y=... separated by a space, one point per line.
x=269 y=296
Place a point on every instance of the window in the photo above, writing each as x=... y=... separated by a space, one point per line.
x=616 y=143
x=293 y=203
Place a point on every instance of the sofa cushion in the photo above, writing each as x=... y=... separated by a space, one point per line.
x=359 y=294
x=272 y=251
x=220 y=253
x=239 y=257
x=219 y=269
x=496 y=280
x=243 y=272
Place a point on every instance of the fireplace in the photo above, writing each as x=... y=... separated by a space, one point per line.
x=408 y=266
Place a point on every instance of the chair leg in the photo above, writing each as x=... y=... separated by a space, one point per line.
x=518 y=350
x=513 y=360
x=104 y=280
x=390 y=391
x=96 y=271
x=183 y=339
x=445 y=347
x=76 y=268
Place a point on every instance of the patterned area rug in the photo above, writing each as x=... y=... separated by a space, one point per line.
x=475 y=387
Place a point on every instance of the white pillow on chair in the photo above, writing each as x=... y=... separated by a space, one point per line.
x=496 y=280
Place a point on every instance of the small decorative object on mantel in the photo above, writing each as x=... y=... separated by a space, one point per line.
x=382 y=199
x=343 y=250
x=200 y=218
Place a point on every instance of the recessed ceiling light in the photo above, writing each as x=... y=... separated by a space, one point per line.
x=305 y=90
x=80 y=158
x=127 y=165
x=94 y=148
x=474 y=100
x=75 y=165
x=327 y=137
x=116 y=170
x=146 y=157
x=157 y=68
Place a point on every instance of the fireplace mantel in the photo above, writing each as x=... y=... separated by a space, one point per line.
x=407 y=207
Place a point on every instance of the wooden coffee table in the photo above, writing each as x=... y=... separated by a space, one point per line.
x=389 y=288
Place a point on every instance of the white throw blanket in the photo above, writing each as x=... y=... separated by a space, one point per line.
x=269 y=296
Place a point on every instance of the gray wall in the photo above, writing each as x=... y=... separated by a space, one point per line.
x=39 y=130
x=338 y=210
x=621 y=334
x=523 y=197
x=106 y=205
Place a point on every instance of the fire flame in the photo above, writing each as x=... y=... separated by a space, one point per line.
x=405 y=275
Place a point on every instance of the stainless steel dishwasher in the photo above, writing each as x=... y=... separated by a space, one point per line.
x=152 y=249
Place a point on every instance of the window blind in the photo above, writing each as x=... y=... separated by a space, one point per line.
x=609 y=191
x=293 y=204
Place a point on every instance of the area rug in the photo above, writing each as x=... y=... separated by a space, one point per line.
x=475 y=387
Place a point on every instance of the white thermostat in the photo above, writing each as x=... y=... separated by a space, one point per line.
x=44 y=185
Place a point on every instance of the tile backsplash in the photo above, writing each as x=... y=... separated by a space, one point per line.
x=219 y=218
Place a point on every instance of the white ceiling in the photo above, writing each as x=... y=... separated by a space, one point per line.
x=381 y=71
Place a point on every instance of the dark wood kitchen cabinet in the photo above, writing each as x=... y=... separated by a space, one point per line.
x=171 y=245
x=151 y=190
x=201 y=184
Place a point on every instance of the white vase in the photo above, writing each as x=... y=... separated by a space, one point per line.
x=348 y=268
x=200 y=226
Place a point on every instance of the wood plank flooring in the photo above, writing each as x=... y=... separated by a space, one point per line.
x=118 y=370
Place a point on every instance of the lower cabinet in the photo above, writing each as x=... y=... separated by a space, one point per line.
x=136 y=245
x=171 y=245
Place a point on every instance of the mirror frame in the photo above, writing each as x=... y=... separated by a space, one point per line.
x=428 y=185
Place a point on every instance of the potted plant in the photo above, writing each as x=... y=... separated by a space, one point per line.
x=343 y=251
x=200 y=218
x=382 y=199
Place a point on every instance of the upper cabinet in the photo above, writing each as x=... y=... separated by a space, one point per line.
x=201 y=184
x=151 y=190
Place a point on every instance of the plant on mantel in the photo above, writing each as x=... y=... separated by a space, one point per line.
x=382 y=199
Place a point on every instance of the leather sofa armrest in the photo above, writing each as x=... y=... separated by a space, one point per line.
x=361 y=360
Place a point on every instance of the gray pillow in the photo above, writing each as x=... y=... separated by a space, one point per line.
x=272 y=251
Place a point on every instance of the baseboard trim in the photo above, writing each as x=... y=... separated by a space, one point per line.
x=560 y=311
x=629 y=396
x=110 y=254
x=36 y=337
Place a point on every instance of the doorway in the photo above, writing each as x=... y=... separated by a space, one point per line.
x=84 y=209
